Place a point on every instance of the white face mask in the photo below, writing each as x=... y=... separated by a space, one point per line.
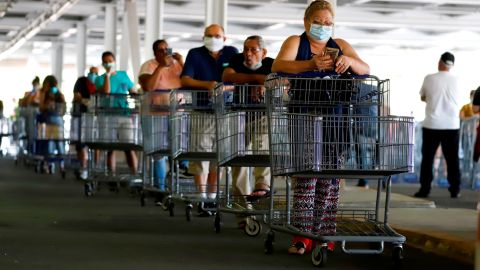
x=213 y=44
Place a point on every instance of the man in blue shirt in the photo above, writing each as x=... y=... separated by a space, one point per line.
x=202 y=70
x=116 y=82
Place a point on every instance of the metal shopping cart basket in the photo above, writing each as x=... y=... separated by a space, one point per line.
x=324 y=128
x=155 y=110
x=192 y=127
x=242 y=141
x=111 y=123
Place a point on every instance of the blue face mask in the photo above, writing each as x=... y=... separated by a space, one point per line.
x=254 y=67
x=54 y=90
x=320 y=32
x=92 y=76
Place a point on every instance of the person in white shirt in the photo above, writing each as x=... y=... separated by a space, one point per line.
x=441 y=126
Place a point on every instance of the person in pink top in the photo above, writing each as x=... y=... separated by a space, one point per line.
x=161 y=74
x=163 y=71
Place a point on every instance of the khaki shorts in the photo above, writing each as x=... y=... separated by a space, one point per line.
x=115 y=129
x=202 y=138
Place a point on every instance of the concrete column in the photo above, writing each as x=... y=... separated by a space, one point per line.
x=57 y=61
x=124 y=55
x=153 y=25
x=81 y=48
x=216 y=12
x=133 y=35
x=110 y=28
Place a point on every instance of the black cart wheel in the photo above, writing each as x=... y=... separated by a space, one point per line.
x=171 y=207
x=218 y=222
x=64 y=174
x=88 y=190
x=269 y=242
x=319 y=255
x=253 y=227
x=188 y=211
x=397 y=255
x=142 y=198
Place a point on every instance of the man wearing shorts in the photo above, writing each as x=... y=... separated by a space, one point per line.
x=202 y=70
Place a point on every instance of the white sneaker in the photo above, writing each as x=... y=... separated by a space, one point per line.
x=212 y=195
x=83 y=174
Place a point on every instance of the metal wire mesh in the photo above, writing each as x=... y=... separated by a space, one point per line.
x=241 y=123
x=317 y=124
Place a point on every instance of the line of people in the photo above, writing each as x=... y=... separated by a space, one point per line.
x=215 y=62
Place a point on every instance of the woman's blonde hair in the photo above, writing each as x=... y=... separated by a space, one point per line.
x=318 y=5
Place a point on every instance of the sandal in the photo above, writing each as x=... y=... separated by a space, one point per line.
x=298 y=248
x=253 y=198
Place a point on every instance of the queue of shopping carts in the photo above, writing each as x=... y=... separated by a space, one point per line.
x=293 y=129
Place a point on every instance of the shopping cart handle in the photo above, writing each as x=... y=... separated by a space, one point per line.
x=318 y=74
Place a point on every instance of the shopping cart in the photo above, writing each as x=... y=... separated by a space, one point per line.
x=242 y=141
x=315 y=125
x=192 y=123
x=155 y=110
x=51 y=140
x=29 y=113
x=112 y=123
x=469 y=168
x=6 y=135
x=20 y=137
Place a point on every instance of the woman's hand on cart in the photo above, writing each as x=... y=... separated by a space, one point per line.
x=343 y=64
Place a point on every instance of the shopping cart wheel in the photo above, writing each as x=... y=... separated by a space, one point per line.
x=171 y=207
x=269 y=242
x=142 y=198
x=319 y=255
x=88 y=190
x=188 y=211
x=253 y=227
x=218 y=222
x=397 y=254
x=64 y=174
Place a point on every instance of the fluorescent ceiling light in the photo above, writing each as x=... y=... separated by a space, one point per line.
x=275 y=26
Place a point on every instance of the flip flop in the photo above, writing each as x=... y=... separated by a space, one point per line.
x=253 y=198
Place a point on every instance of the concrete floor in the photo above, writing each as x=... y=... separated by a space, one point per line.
x=47 y=223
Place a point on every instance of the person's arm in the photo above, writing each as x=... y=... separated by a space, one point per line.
x=179 y=58
x=106 y=89
x=285 y=61
x=350 y=59
x=148 y=81
x=423 y=96
x=231 y=76
x=189 y=82
x=476 y=101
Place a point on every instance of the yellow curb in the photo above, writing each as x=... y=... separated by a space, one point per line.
x=440 y=244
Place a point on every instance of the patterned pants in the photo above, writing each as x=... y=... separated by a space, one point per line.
x=315 y=203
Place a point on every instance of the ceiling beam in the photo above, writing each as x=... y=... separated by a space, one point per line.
x=50 y=15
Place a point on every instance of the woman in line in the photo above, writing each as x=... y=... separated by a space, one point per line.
x=314 y=199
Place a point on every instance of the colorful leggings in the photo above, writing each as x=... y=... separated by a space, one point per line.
x=315 y=203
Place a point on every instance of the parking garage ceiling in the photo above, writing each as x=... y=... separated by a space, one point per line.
x=365 y=23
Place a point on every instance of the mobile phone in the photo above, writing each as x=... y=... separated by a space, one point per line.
x=169 y=51
x=332 y=52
